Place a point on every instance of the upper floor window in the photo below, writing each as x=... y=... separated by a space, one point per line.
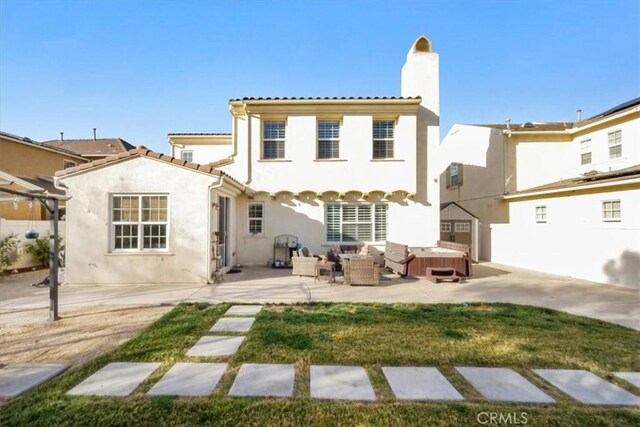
x=187 y=155
x=66 y=164
x=273 y=135
x=541 y=214
x=356 y=222
x=383 y=136
x=255 y=213
x=611 y=210
x=615 y=144
x=454 y=175
x=585 y=152
x=328 y=139
x=139 y=222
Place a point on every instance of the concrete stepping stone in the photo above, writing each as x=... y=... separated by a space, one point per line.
x=233 y=324
x=243 y=310
x=216 y=346
x=630 y=377
x=115 y=379
x=255 y=379
x=17 y=379
x=189 y=379
x=420 y=384
x=588 y=388
x=341 y=382
x=504 y=385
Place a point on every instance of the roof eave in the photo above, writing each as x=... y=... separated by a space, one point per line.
x=577 y=187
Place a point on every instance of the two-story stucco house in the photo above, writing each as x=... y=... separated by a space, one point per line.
x=557 y=197
x=326 y=170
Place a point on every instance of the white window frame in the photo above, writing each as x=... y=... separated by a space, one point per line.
x=66 y=164
x=447 y=228
x=541 y=214
x=279 y=141
x=461 y=227
x=452 y=167
x=378 y=222
x=615 y=140
x=250 y=218
x=139 y=223
x=332 y=140
x=389 y=142
x=585 y=148
x=608 y=206
x=188 y=152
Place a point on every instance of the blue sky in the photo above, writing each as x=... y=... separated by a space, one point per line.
x=142 y=69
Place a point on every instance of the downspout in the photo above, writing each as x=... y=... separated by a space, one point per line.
x=249 y=144
x=210 y=227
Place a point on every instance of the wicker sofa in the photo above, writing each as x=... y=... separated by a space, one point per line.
x=361 y=272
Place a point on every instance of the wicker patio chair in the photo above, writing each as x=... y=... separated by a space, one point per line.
x=361 y=272
x=303 y=265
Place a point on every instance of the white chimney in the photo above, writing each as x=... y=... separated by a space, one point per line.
x=421 y=75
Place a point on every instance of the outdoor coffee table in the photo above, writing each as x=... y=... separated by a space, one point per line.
x=328 y=266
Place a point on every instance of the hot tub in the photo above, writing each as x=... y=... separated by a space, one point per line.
x=436 y=256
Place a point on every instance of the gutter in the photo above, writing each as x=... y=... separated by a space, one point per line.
x=574 y=188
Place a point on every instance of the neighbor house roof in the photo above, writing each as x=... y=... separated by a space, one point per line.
x=563 y=126
x=443 y=206
x=26 y=140
x=593 y=178
x=198 y=134
x=142 y=151
x=92 y=147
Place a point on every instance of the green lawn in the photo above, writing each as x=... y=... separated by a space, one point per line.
x=369 y=335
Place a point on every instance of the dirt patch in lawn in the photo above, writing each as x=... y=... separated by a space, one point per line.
x=80 y=335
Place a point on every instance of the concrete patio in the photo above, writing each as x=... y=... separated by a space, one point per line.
x=491 y=283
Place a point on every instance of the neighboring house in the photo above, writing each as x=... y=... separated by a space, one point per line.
x=27 y=165
x=560 y=197
x=327 y=170
x=92 y=149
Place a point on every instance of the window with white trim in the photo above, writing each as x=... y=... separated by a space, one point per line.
x=585 y=152
x=66 y=164
x=255 y=217
x=615 y=144
x=445 y=227
x=139 y=222
x=273 y=136
x=462 y=227
x=187 y=155
x=611 y=210
x=541 y=214
x=383 y=139
x=356 y=222
x=454 y=175
x=328 y=139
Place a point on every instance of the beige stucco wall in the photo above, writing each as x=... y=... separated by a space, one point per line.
x=574 y=241
x=26 y=160
x=481 y=151
x=89 y=258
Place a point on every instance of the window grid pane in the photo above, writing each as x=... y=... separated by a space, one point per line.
x=615 y=144
x=139 y=222
x=255 y=212
x=611 y=210
x=273 y=139
x=541 y=213
x=383 y=136
x=188 y=156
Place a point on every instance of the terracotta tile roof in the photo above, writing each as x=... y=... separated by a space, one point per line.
x=198 y=134
x=586 y=179
x=92 y=147
x=142 y=151
x=326 y=98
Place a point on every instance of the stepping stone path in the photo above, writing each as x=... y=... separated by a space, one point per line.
x=420 y=384
x=243 y=310
x=115 y=379
x=587 y=387
x=16 y=379
x=189 y=379
x=264 y=380
x=504 y=385
x=630 y=377
x=233 y=324
x=216 y=346
x=341 y=382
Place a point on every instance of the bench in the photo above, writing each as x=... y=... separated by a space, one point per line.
x=396 y=258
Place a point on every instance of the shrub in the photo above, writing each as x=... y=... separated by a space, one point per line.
x=40 y=249
x=8 y=253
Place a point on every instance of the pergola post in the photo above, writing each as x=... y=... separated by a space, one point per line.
x=53 y=260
